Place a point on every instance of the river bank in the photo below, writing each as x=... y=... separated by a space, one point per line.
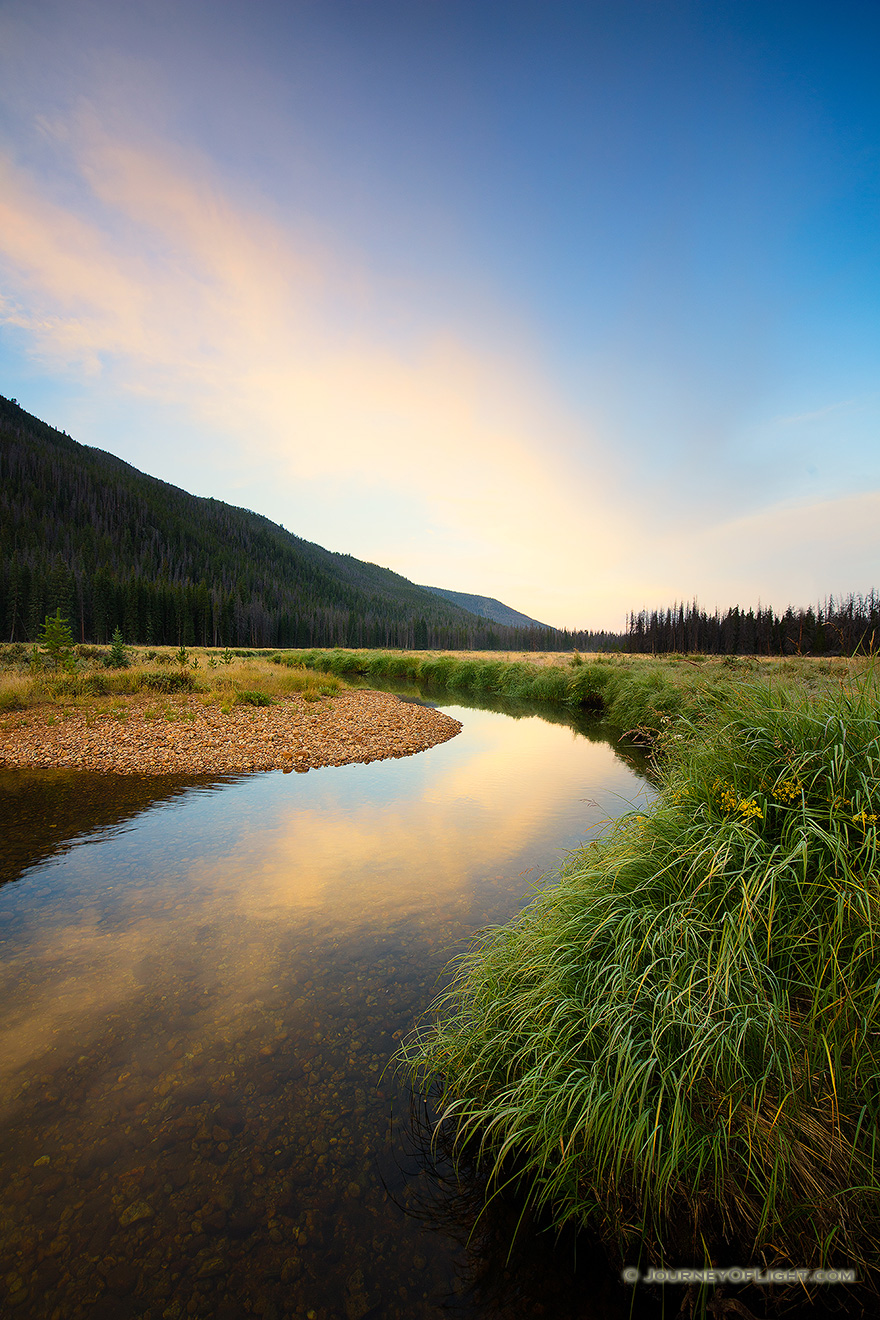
x=675 y=1044
x=672 y=1046
x=641 y=693
x=182 y=734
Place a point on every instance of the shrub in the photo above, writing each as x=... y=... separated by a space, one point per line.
x=79 y=685
x=14 y=653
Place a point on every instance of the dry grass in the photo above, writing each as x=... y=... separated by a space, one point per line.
x=239 y=679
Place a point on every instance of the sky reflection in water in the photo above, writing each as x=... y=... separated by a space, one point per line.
x=254 y=950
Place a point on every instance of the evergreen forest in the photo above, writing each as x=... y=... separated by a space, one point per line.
x=84 y=532
x=847 y=626
x=110 y=547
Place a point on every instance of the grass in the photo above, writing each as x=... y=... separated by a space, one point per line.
x=242 y=678
x=630 y=692
x=678 y=1041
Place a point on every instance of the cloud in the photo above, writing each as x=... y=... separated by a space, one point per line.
x=161 y=283
x=131 y=265
x=816 y=414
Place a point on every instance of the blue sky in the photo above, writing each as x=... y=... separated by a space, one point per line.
x=571 y=304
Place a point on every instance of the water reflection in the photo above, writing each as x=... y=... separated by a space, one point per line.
x=46 y=812
x=200 y=1009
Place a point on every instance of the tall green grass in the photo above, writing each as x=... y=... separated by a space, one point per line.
x=678 y=1041
x=644 y=694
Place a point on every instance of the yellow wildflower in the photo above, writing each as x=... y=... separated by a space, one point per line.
x=788 y=790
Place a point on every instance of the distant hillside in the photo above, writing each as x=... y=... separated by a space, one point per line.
x=111 y=546
x=487 y=607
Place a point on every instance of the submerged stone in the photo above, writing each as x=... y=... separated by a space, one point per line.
x=134 y=1213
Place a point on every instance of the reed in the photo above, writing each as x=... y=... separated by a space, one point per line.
x=678 y=1041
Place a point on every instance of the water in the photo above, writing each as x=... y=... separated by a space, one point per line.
x=203 y=987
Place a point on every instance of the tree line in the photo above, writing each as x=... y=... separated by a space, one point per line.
x=110 y=547
x=848 y=625
x=83 y=532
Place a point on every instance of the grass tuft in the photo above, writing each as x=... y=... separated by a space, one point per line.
x=250 y=697
x=678 y=1041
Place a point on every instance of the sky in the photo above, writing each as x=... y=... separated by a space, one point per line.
x=576 y=305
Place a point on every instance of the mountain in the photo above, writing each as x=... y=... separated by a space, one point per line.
x=110 y=546
x=487 y=607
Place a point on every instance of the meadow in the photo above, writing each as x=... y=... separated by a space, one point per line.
x=631 y=692
x=87 y=675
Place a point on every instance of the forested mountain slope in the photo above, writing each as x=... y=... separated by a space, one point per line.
x=111 y=546
x=487 y=607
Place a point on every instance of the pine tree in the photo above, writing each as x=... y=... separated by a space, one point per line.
x=118 y=657
x=56 y=639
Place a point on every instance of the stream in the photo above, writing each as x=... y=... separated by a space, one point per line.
x=203 y=986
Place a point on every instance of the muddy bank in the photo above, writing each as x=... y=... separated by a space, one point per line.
x=139 y=735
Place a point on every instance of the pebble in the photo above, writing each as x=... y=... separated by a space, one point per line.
x=134 y=1213
x=356 y=726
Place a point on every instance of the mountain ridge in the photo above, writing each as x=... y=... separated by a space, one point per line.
x=488 y=607
x=111 y=546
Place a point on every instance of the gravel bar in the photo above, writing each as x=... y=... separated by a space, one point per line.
x=188 y=736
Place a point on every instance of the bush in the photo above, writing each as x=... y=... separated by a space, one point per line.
x=14 y=653
x=79 y=685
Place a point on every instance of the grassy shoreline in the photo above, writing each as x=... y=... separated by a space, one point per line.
x=677 y=1044
x=630 y=692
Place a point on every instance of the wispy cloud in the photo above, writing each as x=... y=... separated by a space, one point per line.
x=134 y=264
x=814 y=416
x=168 y=288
